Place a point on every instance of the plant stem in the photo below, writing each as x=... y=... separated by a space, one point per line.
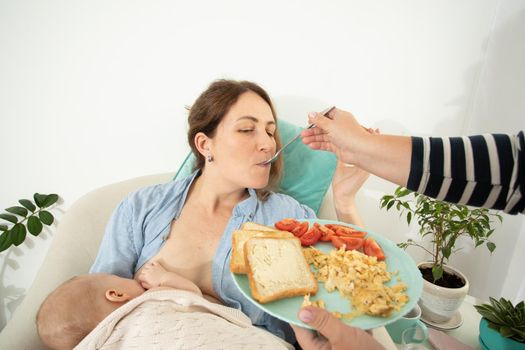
x=422 y=247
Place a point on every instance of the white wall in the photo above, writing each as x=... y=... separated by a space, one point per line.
x=93 y=92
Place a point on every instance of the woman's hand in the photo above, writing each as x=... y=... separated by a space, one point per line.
x=347 y=181
x=340 y=134
x=334 y=334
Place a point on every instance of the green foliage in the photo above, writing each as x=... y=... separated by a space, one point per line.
x=507 y=319
x=444 y=222
x=30 y=216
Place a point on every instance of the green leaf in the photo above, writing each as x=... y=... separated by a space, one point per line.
x=34 y=225
x=437 y=272
x=9 y=217
x=28 y=204
x=446 y=252
x=39 y=199
x=50 y=200
x=402 y=245
x=401 y=192
x=409 y=217
x=21 y=211
x=387 y=198
x=491 y=246
x=390 y=205
x=5 y=241
x=46 y=217
x=18 y=234
x=3 y=228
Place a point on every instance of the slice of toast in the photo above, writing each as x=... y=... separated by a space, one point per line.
x=277 y=269
x=239 y=237
x=256 y=227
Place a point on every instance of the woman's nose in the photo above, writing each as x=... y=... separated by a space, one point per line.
x=266 y=143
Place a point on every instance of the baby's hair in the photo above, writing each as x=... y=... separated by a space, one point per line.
x=69 y=313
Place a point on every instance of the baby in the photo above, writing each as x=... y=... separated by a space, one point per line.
x=77 y=306
x=161 y=310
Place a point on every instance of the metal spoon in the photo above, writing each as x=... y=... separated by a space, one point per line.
x=276 y=155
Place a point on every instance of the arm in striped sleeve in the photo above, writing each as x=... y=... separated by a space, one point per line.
x=481 y=170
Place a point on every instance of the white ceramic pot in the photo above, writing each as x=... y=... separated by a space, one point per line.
x=438 y=304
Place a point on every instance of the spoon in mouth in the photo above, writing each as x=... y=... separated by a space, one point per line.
x=276 y=155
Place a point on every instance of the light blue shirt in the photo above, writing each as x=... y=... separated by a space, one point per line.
x=141 y=223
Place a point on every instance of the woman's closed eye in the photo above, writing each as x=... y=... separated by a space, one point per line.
x=269 y=132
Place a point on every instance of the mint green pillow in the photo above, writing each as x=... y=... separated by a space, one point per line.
x=307 y=174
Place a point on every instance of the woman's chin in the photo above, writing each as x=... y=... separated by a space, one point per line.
x=258 y=185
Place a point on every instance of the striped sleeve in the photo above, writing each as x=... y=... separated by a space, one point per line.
x=482 y=170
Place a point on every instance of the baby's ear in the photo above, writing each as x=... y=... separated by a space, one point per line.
x=116 y=296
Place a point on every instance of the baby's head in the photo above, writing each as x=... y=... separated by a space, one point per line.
x=75 y=308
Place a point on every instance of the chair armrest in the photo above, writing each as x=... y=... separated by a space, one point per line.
x=72 y=252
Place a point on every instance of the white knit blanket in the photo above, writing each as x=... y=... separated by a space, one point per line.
x=173 y=319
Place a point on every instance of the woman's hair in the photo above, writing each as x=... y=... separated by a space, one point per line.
x=211 y=107
x=70 y=312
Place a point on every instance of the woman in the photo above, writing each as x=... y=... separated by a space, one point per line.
x=187 y=224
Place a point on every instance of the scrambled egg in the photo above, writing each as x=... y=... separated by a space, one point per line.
x=360 y=279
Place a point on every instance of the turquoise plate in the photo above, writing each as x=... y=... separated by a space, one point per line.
x=396 y=259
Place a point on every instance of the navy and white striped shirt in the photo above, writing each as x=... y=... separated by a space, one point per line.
x=483 y=170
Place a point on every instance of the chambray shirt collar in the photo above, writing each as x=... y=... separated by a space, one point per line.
x=248 y=206
x=186 y=186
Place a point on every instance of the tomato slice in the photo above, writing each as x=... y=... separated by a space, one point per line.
x=337 y=242
x=287 y=224
x=334 y=227
x=346 y=232
x=371 y=248
x=353 y=243
x=326 y=233
x=350 y=243
x=300 y=229
x=311 y=236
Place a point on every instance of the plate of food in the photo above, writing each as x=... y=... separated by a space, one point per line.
x=360 y=276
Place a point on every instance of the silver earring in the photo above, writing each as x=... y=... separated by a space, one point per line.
x=209 y=158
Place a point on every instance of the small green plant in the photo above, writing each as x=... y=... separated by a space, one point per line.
x=31 y=216
x=507 y=319
x=444 y=222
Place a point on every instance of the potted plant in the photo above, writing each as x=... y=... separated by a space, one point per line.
x=502 y=326
x=444 y=287
x=30 y=216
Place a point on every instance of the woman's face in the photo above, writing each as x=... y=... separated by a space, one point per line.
x=244 y=138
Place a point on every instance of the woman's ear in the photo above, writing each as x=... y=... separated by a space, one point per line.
x=203 y=144
x=116 y=296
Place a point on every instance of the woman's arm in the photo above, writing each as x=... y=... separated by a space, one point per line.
x=117 y=253
x=346 y=183
x=386 y=156
x=483 y=170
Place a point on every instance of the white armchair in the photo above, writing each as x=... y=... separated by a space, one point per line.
x=73 y=251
